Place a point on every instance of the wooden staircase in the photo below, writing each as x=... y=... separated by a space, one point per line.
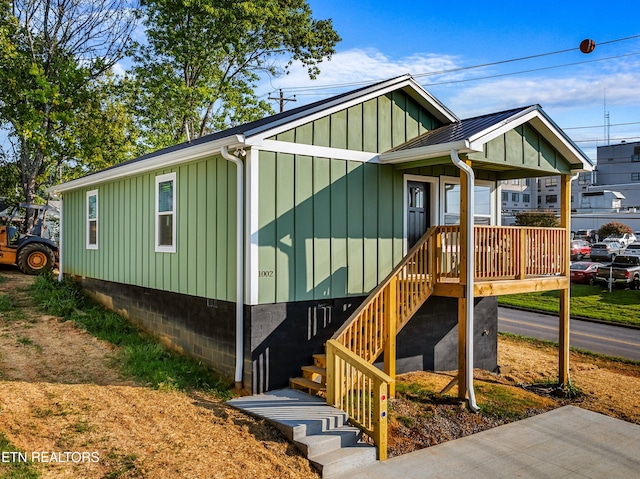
x=314 y=377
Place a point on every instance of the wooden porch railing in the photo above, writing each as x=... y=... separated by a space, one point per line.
x=361 y=390
x=373 y=326
x=506 y=252
x=501 y=253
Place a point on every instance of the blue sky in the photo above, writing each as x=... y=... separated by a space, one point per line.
x=383 y=39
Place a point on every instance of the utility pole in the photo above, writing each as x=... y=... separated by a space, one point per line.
x=282 y=100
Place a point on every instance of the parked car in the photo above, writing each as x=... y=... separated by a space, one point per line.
x=605 y=251
x=633 y=249
x=587 y=235
x=580 y=249
x=624 y=240
x=584 y=272
x=624 y=271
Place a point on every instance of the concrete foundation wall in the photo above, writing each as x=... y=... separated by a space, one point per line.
x=281 y=338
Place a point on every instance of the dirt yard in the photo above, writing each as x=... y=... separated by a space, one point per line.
x=60 y=397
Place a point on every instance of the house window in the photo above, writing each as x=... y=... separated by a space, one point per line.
x=526 y=197
x=92 y=219
x=635 y=176
x=505 y=196
x=551 y=198
x=515 y=197
x=551 y=181
x=166 y=213
x=482 y=200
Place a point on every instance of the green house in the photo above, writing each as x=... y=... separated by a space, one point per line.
x=249 y=248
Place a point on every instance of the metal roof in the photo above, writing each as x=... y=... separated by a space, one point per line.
x=462 y=130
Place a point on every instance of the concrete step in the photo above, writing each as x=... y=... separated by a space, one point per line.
x=321 y=432
x=340 y=462
x=326 y=441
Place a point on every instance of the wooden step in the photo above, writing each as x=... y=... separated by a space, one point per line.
x=315 y=373
x=320 y=360
x=307 y=385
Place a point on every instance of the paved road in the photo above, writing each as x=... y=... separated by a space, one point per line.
x=596 y=337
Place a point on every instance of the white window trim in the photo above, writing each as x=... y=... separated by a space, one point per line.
x=164 y=248
x=89 y=220
x=494 y=217
x=433 y=201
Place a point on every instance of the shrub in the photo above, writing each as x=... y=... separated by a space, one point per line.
x=537 y=218
x=613 y=229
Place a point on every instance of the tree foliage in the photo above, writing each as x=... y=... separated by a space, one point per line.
x=537 y=218
x=198 y=72
x=613 y=229
x=55 y=52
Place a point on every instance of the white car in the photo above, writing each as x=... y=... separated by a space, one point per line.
x=624 y=240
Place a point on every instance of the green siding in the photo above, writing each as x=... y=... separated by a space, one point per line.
x=523 y=147
x=376 y=125
x=204 y=262
x=328 y=228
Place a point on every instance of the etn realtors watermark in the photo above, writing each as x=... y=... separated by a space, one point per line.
x=49 y=456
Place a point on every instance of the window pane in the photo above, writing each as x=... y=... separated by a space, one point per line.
x=165 y=196
x=482 y=198
x=93 y=232
x=165 y=230
x=93 y=211
x=451 y=199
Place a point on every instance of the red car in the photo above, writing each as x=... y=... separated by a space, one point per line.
x=584 y=272
x=580 y=249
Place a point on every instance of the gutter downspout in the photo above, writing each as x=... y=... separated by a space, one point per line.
x=239 y=262
x=470 y=279
x=60 y=273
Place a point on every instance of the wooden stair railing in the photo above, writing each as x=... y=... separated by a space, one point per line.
x=372 y=328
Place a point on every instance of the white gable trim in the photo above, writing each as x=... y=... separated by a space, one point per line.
x=342 y=103
x=542 y=124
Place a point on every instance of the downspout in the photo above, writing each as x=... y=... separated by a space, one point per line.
x=239 y=262
x=60 y=273
x=470 y=275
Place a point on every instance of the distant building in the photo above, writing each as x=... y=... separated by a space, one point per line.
x=618 y=169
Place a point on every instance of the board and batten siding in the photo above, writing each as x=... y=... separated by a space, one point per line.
x=376 y=125
x=204 y=262
x=328 y=228
x=523 y=147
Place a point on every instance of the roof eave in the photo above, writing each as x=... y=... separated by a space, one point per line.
x=426 y=152
x=172 y=158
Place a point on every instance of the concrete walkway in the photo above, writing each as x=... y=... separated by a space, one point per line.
x=568 y=442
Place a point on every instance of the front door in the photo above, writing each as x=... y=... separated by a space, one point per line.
x=418 y=218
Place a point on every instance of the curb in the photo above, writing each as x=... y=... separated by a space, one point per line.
x=579 y=318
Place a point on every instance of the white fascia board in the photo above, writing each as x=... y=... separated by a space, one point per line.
x=172 y=158
x=318 y=151
x=426 y=152
x=348 y=101
x=543 y=125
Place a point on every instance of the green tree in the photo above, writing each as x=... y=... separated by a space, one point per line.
x=198 y=72
x=537 y=218
x=613 y=229
x=56 y=52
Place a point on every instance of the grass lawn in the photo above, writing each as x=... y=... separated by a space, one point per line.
x=619 y=306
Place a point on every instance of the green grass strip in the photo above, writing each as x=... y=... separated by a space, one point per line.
x=14 y=464
x=594 y=302
x=139 y=355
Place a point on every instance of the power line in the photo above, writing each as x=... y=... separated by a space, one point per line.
x=600 y=126
x=471 y=67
